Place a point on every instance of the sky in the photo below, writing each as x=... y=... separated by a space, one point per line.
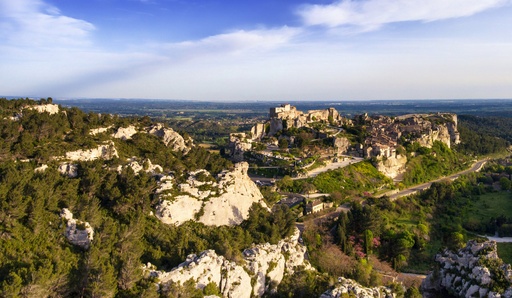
x=248 y=50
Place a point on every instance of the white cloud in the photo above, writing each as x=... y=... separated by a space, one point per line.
x=35 y=23
x=369 y=15
x=236 y=42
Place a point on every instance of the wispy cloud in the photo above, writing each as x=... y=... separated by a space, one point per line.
x=235 y=42
x=35 y=23
x=367 y=15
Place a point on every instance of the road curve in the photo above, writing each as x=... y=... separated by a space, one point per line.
x=477 y=166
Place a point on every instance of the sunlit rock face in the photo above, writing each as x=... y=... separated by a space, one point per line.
x=47 y=108
x=125 y=133
x=170 y=138
x=224 y=202
x=262 y=269
x=68 y=169
x=350 y=288
x=106 y=151
x=473 y=271
x=392 y=166
x=79 y=233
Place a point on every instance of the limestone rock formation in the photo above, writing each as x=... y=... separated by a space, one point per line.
x=392 y=166
x=268 y=265
x=77 y=232
x=224 y=202
x=263 y=265
x=125 y=133
x=475 y=270
x=238 y=144
x=48 y=108
x=99 y=130
x=258 y=131
x=169 y=137
x=146 y=166
x=350 y=288
x=106 y=151
x=68 y=169
x=342 y=145
x=237 y=193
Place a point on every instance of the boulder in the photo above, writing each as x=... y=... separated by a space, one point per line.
x=169 y=137
x=79 y=233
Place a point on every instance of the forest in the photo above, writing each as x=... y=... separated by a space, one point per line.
x=374 y=236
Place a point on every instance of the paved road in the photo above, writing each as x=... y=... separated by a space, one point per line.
x=334 y=165
x=477 y=166
x=498 y=239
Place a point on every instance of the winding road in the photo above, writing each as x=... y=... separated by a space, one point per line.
x=393 y=195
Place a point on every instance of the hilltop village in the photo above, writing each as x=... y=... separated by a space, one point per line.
x=332 y=137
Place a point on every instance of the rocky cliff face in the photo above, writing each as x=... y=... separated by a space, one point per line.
x=392 y=166
x=169 y=137
x=342 y=145
x=48 y=108
x=106 y=151
x=77 y=232
x=258 y=131
x=238 y=144
x=473 y=271
x=263 y=267
x=349 y=288
x=125 y=133
x=224 y=202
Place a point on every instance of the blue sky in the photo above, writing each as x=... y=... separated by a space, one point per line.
x=247 y=50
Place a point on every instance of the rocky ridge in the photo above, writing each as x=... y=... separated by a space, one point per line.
x=224 y=202
x=262 y=269
x=48 y=108
x=473 y=271
x=169 y=137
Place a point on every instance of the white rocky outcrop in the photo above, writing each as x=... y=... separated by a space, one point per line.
x=225 y=202
x=48 y=108
x=77 y=232
x=68 y=169
x=99 y=130
x=268 y=263
x=470 y=272
x=106 y=151
x=146 y=166
x=342 y=145
x=350 y=288
x=41 y=169
x=125 y=133
x=392 y=166
x=258 y=131
x=238 y=145
x=169 y=137
x=262 y=266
